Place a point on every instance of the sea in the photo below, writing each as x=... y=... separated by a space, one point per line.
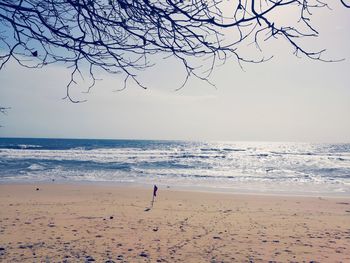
x=237 y=167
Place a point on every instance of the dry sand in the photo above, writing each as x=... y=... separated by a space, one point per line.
x=85 y=223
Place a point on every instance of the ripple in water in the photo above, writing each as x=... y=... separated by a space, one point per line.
x=239 y=166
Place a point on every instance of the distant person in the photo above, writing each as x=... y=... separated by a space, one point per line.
x=155 y=189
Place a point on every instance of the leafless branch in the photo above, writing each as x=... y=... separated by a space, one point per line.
x=121 y=36
x=345 y=4
x=3 y=110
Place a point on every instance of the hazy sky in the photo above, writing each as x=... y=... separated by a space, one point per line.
x=286 y=99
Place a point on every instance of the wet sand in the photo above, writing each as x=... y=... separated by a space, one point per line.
x=86 y=223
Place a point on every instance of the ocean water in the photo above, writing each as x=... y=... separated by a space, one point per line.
x=264 y=167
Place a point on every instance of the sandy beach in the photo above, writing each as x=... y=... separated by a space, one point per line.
x=93 y=223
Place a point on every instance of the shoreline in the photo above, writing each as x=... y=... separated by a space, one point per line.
x=190 y=188
x=82 y=223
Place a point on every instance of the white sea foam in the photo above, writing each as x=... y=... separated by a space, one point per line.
x=36 y=167
x=225 y=165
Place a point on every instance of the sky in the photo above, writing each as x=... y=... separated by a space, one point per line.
x=285 y=99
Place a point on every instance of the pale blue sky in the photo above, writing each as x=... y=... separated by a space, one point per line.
x=286 y=99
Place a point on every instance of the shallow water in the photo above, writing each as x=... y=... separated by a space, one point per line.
x=237 y=166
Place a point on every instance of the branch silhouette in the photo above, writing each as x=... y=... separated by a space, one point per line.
x=345 y=4
x=121 y=36
x=3 y=110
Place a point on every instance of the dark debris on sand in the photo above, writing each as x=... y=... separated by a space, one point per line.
x=89 y=259
x=143 y=254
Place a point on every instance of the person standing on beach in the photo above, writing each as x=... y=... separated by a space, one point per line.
x=155 y=189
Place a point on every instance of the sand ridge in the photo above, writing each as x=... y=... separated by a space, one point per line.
x=91 y=223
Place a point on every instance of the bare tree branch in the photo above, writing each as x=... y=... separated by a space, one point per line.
x=3 y=110
x=345 y=4
x=121 y=36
